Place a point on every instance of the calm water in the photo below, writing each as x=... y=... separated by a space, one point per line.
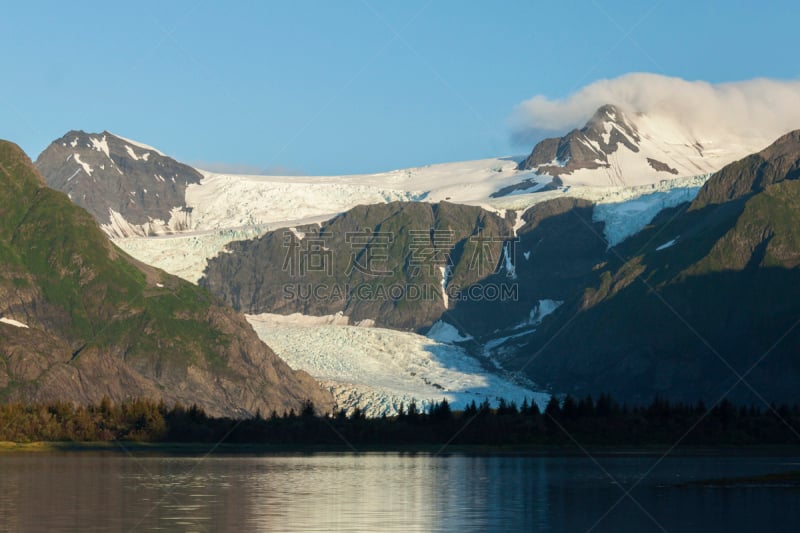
x=385 y=492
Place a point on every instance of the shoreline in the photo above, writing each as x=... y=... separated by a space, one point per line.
x=228 y=449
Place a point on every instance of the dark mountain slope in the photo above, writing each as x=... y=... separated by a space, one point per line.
x=379 y=262
x=704 y=294
x=754 y=173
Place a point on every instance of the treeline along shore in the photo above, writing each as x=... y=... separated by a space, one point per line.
x=590 y=422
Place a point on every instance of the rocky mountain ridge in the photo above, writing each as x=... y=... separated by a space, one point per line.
x=131 y=189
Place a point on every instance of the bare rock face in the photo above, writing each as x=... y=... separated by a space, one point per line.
x=129 y=188
x=387 y=263
x=661 y=167
x=80 y=320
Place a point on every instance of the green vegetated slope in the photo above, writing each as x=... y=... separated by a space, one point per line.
x=100 y=323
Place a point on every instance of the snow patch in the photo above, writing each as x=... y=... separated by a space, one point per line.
x=445 y=271
x=12 y=322
x=74 y=174
x=495 y=343
x=667 y=244
x=86 y=168
x=543 y=308
x=131 y=153
x=138 y=144
x=446 y=333
x=606 y=135
x=101 y=145
x=298 y=234
x=508 y=260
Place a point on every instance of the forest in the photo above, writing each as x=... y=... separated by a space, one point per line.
x=570 y=422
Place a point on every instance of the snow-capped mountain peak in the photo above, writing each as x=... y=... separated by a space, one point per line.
x=626 y=149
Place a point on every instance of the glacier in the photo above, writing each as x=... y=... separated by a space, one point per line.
x=379 y=370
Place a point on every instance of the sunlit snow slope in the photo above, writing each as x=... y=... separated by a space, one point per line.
x=614 y=158
x=624 y=209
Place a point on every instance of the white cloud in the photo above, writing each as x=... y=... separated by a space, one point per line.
x=761 y=109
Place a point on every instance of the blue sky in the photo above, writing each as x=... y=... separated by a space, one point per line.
x=325 y=87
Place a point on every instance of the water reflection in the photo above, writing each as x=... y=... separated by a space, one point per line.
x=380 y=492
